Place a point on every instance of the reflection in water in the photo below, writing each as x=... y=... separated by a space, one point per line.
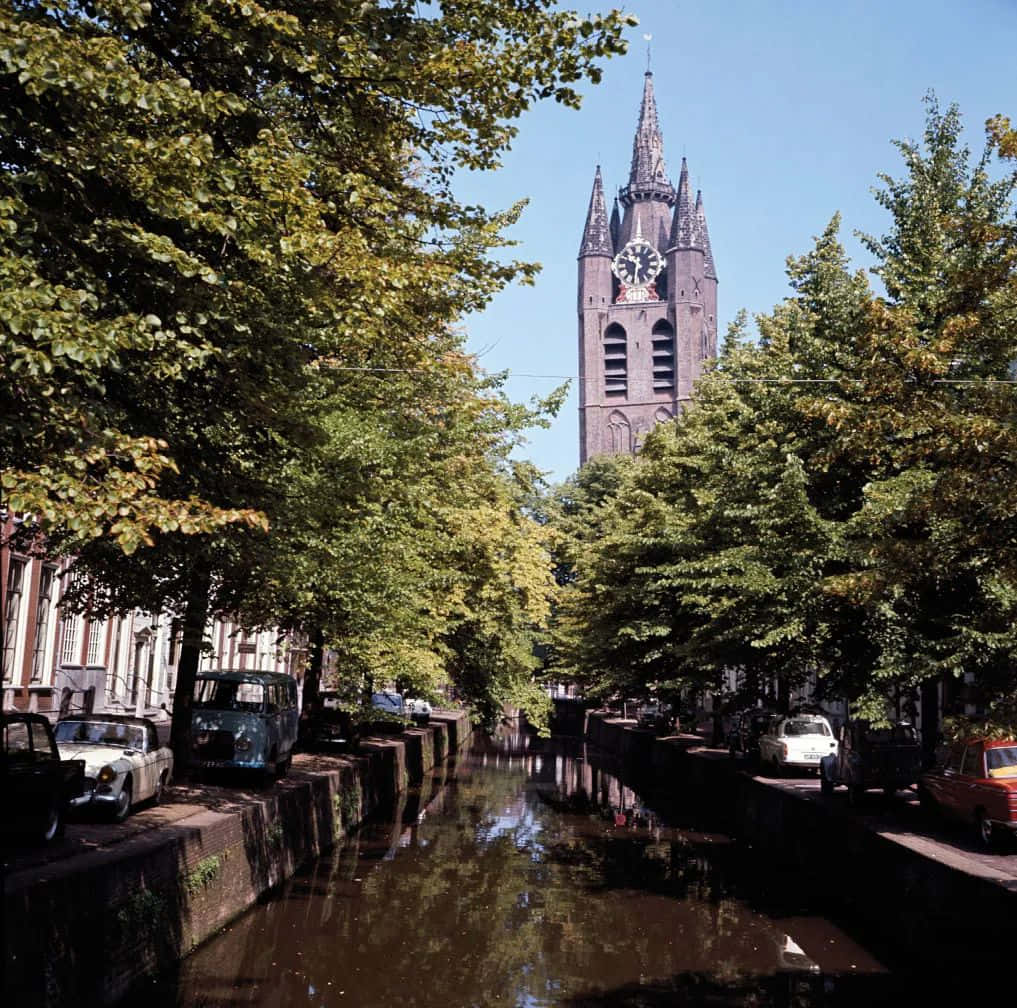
x=523 y=878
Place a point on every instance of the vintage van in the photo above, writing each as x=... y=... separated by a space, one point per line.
x=244 y=719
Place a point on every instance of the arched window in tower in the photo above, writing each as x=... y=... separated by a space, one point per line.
x=663 y=357
x=616 y=379
x=621 y=433
x=662 y=415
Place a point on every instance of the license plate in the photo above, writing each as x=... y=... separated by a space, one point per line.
x=813 y=756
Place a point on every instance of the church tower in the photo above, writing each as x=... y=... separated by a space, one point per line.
x=647 y=298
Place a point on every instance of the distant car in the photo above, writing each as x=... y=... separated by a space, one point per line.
x=389 y=702
x=976 y=785
x=654 y=714
x=36 y=785
x=797 y=740
x=124 y=762
x=747 y=727
x=333 y=726
x=887 y=758
x=419 y=710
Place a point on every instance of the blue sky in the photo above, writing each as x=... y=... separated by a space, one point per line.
x=785 y=109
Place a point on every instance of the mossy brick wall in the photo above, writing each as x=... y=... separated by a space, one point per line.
x=923 y=904
x=82 y=930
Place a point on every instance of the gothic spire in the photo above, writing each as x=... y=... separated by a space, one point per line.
x=596 y=235
x=701 y=237
x=648 y=174
x=615 y=223
x=682 y=227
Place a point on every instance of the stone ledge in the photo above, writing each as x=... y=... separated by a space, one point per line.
x=917 y=894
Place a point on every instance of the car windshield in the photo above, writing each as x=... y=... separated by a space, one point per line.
x=107 y=733
x=1001 y=761
x=228 y=695
x=801 y=726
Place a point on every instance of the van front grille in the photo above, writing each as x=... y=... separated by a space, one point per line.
x=214 y=745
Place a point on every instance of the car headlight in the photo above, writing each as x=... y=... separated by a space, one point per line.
x=106 y=775
x=242 y=744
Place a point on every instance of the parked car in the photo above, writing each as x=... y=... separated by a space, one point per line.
x=36 y=784
x=747 y=727
x=246 y=720
x=656 y=715
x=124 y=762
x=866 y=757
x=334 y=726
x=798 y=740
x=977 y=785
x=389 y=702
x=418 y=709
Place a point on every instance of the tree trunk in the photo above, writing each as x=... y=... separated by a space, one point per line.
x=195 y=617
x=312 y=682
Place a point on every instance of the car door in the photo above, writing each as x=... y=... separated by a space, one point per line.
x=949 y=784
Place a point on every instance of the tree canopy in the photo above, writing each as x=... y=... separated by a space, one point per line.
x=838 y=500
x=232 y=262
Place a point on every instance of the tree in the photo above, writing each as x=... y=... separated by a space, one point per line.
x=205 y=203
x=838 y=499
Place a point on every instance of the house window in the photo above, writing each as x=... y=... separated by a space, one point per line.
x=43 y=611
x=69 y=639
x=12 y=614
x=95 y=636
x=615 y=361
x=663 y=357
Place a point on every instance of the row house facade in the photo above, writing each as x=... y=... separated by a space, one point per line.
x=55 y=659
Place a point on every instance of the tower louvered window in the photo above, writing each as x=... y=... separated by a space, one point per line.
x=663 y=357
x=616 y=380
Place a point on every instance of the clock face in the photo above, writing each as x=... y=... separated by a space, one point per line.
x=637 y=264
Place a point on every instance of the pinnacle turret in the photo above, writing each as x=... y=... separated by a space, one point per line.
x=615 y=224
x=682 y=227
x=701 y=237
x=596 y=234
x=648 y=174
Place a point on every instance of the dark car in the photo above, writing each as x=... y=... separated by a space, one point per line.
x=334 y=726
x=655 y=715
x=35 y=784
x=746 y=728
x=886 y=758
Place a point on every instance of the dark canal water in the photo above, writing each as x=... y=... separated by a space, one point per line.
x=530 y=876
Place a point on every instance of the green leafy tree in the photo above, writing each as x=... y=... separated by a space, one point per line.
x=203 y=203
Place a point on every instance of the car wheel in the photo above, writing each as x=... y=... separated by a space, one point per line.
x=122 y=808
x=825 y=784
x=986 y=832
x=53 y=825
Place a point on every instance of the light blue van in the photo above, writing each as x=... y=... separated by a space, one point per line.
x=245 y=720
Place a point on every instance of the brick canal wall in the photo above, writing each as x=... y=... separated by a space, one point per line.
x=82 y=929
x=914 y=894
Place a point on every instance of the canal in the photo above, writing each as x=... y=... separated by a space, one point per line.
x=529 y=875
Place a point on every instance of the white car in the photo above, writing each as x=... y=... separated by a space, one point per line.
x=419 y=710
x=797 y=740
x=124 y=762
